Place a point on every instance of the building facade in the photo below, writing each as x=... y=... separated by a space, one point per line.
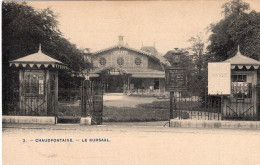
x=123 y=68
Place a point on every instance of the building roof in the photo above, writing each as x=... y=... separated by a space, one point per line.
x=150 y=49
x=123 y=46
x=154 y=52
x=144 y=52
x=241 y=61
x=39 y=59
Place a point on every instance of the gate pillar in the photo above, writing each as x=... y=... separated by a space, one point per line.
x=91 y=103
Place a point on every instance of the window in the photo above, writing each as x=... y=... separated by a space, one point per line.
x=138 y=61
x=240 y=88
x=120 y=61
x=238 y=78
x=34 y=83
x=41 y=87
x=102 y=61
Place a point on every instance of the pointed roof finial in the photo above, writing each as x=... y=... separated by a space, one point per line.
x=40 y=48
x=238 y=50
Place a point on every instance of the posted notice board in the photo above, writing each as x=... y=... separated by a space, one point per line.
x=219 y=77
x=175 y=79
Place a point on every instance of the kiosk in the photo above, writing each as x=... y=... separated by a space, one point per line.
x=242 y=102
x=38 y=84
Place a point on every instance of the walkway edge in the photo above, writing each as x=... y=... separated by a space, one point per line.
x=28 y=119
x=221 y=124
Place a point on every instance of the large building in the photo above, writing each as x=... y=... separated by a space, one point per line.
x=123 y=68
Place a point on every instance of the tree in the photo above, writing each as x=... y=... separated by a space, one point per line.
x=236 y=28
x=234 y=7
x=197 y=47
x=23 y=29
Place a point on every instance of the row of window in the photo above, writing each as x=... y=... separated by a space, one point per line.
x=120 y=61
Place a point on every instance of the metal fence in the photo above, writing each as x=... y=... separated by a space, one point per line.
x=196 y=107
x=11 y=99
x=29 y=99
x=237 y=106
x=193 y=103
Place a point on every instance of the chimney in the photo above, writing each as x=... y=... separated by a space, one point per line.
x=120 y=40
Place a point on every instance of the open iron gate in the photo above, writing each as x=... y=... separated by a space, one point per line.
x=92 y=101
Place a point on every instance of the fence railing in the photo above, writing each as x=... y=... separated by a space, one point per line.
x=195 y=107
x=11 y=99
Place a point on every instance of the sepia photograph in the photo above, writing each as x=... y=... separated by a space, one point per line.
x=172 y=82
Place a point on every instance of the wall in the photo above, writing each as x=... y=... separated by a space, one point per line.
x=128 y=56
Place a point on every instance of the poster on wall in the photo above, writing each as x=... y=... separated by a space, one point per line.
x=219 y=77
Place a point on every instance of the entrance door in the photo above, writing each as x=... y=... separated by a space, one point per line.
x=115 y=84
x=242 y=101
x=33 y=99
x=156 y=83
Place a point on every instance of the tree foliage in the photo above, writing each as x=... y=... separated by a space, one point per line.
x=197 y=47
x=236 y=28
x=25 y=28
x=234 y=7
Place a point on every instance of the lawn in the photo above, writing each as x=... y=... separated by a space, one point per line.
x=155 y=111
x=128 y=114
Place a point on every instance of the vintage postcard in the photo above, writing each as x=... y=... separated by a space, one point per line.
x=131 y=82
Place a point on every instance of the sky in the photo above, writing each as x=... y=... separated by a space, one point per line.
x=165 y=24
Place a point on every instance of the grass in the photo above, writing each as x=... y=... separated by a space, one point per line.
x=188 y=105
x=68 y=113
x=122 y=114
x=155 y=111
x=67 y=110
x=127 y=114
